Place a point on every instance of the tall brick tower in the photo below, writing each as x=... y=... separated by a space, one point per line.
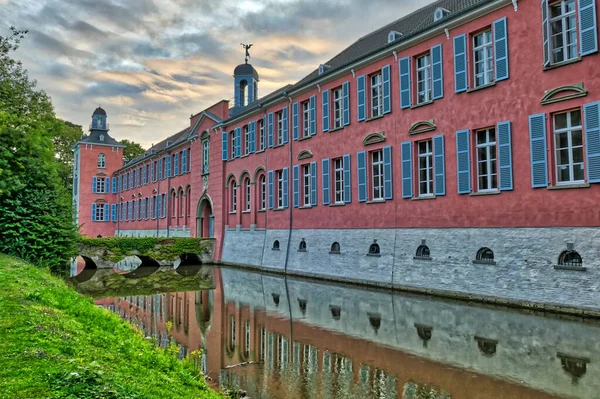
x=96 y=157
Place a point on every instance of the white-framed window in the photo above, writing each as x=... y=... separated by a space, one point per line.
x=205 y=156
x=487 y=173
x=425 y=168
x=483 y=58
x=279 y=189
x=100 y=185
x=102 y=161
x=247 y=339
x=305 y=119
x=424 y=78
x=306 y=186
x=247 y=193
x=233 y=142
x=261 y=134
x=233 y=197
x=563 y=31
x=232 y=332
x=279 y=128
x=338 y=179
x=246 y=140
x=376 y=95
x=377 y=174
x=263 y=192
x=338 y=108
x=100 y=212
x=568 y=144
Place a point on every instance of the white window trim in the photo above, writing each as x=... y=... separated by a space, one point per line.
x=338 y=180
x=426 y=72
x=280 y=128
x=569 y=129
x=488 y=70
x=233 y=198
x=376 y=93
x=279 y=189
x=261 y=135
x=246 y=140
x=102 y=161
x=377 y=173
x=489 y=161
x=338 y=108
x=428 y=156
x=263 y=193
x=248 y=196
x=306 y=185
x=563 y=19
x=305 y=119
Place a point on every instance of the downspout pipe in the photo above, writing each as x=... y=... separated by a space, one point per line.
x=290 y=174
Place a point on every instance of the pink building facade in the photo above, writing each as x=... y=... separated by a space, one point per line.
x=456 y=150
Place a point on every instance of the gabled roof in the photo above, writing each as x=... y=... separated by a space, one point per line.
x=409 y=25
x=94 y=138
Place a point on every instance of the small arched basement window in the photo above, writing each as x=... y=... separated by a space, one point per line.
x=335 y=248
x=276 y=245
x=570 y=258
x=302 y=246
x=374 y=249
x=423 y=252
x=485 y=255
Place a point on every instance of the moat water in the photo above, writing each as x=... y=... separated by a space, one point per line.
x=276 y=337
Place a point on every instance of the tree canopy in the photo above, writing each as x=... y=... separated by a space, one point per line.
x=131 y=150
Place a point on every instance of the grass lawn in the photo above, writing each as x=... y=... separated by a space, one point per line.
x=55 y=343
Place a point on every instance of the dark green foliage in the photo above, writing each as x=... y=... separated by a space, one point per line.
x=35 y=213
x=131 y=150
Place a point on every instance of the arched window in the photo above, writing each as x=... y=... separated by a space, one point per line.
x=232 y=333
x=570 y=258
x=374 y=248
x=247 y=198
x=233 y=197
x=485 y=255
x=262 y=192
x=276 y=245
x=188 y=206
x=335 y=248
x=243 y=92
x=181 y=204
x=302 y=246
x=102 y=161
x=173 y=204
x=423 y=251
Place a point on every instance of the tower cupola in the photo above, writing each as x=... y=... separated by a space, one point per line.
x=99 y=120
x=245 y=82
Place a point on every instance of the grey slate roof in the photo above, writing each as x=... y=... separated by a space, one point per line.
x=413 y=23
x=94 y=138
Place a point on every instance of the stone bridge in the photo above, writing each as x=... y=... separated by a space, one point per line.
x=106 y=253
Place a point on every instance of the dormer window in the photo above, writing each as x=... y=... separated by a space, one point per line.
x=440 y=13
x=101 y=138
x=393 y=36
x=323 y=68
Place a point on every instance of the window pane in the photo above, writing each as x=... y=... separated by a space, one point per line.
x=578 y=155
x=562 y=157
x=482 y=154
x=578 y=172
x=563 y=174
x=576 y=138
x=562 y=140
x=576 y=118
x=560 y=121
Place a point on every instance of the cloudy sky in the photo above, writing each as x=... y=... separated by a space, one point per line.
x=152 y=63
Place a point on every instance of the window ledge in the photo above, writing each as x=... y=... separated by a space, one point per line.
x=302 y=250
x=304 y=138
x=231 y=213
x=377 y=201
x=244 y=156
x=305 y=207
x=421 y=258
x=336 y=129
x=567 y=186
x=278 y=145
x=261 y=210
x=278 y=209
x=243 y=212
x=205 y=174
x=423 y=197
x=335 y=253
x=373 y=118
x=338 y=204
x=572 y=268
x=375 y=255
x=274 y=249
x=484 y=262
x=491 y=192
x=558 y=65
x=481 y=87
x=259 y=151
x=421 y=104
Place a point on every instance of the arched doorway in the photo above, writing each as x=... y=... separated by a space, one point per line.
x=205 y=219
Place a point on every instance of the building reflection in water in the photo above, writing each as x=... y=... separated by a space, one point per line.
x=278 y=338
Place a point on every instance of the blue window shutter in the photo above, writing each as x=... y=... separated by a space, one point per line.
x=346 y=93
x=114 y=212
x=265 y=129
x=325 y=109
x=546 y=32
x=114 y=185
x=313 y=183
x=313 y=114
x=407 y=184
x=591 y=123
x=271 y=199
x=176 y=164
x=588 y=31
x=460 y=64
x=169 y=166
x=119 y=183
x=463 y=161
x=361 y=158
x=238 y=142
x=94 y=181
x=184 y=161
x=388 y=192
x=284 y=113
x=224 y=156
x=107 y=185
x=387 y=98
x=143 y=175
x=159 y=163
x=439 y=167
x=106 y=213
x=405 y=96
x=501 y=49
x=270 y=129
x=361 y=97
x=253 y=136
x=296 y=171
x=158 y=210
x=505 y=156
x=347 y=180
x=326 y=191
x=537 y=143
x=285 y=188
x=295 y=110
x=438 y=71
x=93 y=212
